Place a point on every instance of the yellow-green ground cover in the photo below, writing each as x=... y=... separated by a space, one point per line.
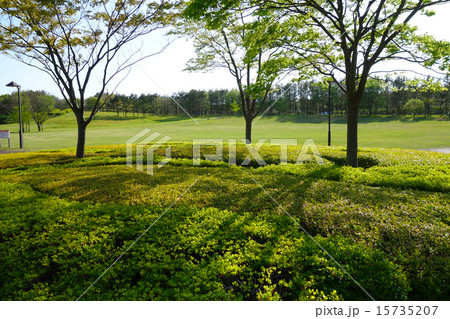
x=230 y=236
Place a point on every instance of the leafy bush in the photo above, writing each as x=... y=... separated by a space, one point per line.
x=53 y=249
x=58 y=112
x=415 y=107
x=419 y=177
x=65 y=220
x=4 y=119
x=368 y=157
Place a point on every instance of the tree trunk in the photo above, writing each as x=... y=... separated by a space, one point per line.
x=427 y=109
x=352 y=133
x=81 y=142
x=248 y=130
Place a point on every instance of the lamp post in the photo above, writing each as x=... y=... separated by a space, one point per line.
x=14 y=84
x=329 y=112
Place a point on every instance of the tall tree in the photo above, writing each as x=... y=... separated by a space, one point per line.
x=243 y=44
x=428 y=90
x=7 y=104
x=414 y=107
x=352 y=36
x=26 y=117
x=39 y=104
x=446 y=95
x=78 y=43
x=356 y=36
x=373 y=98
x=217 y=101
x=399 y=93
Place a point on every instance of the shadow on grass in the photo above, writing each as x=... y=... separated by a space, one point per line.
x=404 y=119
x=342 y=119
x=171 y=119
x=309 y=119
x=120 y=118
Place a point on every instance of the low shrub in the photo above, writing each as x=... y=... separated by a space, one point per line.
x=64 y=220
x=52 y=249
x=435 y=178
x=368 y=157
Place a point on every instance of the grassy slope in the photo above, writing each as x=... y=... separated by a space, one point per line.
x=66 y=220
x=60 y=132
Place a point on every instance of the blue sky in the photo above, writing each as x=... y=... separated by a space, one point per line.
x=163 y=73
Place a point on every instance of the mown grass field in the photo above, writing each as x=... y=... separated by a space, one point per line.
x=107 y=128
x=237 y=233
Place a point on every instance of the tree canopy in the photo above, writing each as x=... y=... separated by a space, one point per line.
x=350 y=38
x=39 y=104
x=244 y=44
x=78 y=42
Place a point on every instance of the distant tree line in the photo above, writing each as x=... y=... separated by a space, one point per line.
x=37 y=106
x=398 y=96
x=382 y=97
x=195 y=102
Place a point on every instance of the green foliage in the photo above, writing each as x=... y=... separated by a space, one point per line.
x=415 y=106
x=64 y=221
x=60 y=247
x=39 y=104
x=58 y=112
x=75 y=41
x=435 y=179
x=243 y=44
x=342 y=41
x=235 y=106
x=25 y=113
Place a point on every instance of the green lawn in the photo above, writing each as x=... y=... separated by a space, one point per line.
x=107 y=128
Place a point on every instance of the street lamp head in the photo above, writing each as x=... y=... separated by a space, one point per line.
x=13 y=84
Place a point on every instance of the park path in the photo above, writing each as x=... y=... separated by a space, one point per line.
x=11 y=151
x=440 y=150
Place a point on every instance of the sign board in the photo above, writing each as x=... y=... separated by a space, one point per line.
x=4 y=134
